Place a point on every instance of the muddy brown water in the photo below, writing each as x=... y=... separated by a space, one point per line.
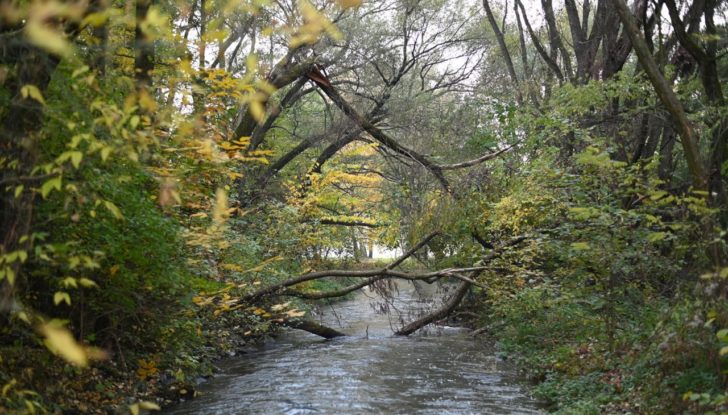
x=442 y=370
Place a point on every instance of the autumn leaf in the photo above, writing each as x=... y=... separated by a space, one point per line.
x=60 y=342
x=32 y=91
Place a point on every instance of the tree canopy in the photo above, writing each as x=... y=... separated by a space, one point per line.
x=174 y=172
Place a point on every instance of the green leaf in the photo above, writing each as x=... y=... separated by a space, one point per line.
x=657 y=236
x=54 y=183
x=657 y=194
x=580 y=246
x=11 y=257
x=74 y=156
x=73 y=262
x=105 y=153
x=83 y=69
x=579 y=213
x=134 y=121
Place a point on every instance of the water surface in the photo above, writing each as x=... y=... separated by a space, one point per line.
x=440 y=371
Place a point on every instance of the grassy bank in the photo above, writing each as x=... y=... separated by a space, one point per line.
x=646 y=361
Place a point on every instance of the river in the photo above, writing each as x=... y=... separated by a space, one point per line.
x=441 y=371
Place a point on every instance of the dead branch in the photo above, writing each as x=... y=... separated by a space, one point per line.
x=338 y=273
x=333 y=294
x=457 y=297
x=322 y=82
x=314 y=328
x=440 y=313
x=481 y=159
x=348 y=223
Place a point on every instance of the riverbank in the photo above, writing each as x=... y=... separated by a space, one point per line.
x=159 y=375
x=652 y=364
x=175 y=352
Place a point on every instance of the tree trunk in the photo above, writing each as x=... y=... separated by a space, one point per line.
x=504 y=50
x=19 y=137
x=314 y=328
x=441 y=312
x=667 y=96
x=144 y=48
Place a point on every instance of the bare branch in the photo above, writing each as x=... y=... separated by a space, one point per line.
x=481 y=159
x=339 y=273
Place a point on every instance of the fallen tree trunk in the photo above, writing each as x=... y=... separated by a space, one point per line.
x=440 y=313
x=456 y=298
x=314 y=328
x=277 y=288
x=335 y=293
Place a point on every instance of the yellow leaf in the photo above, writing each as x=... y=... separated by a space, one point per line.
x=80 y=71
x=147 y=102
x=221 y=211
x=48 y=185
x=345 y=4
x=263 y=264
x=105 y=153
x=22 y=315
x=279 y=307
x=95 y=20
x=48 y=39
x=149 y=406
x=295 y=313
x=580 y=246
x=113 y=209
x=74 y=156
x=69 y=282
x=85 y=282
x=61 y=296
x=10 y=275
x=134 y=121
x=257 y=111
x=60 y=342
x=33 y=92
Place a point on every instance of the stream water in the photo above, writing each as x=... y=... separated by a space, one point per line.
x=440 y=371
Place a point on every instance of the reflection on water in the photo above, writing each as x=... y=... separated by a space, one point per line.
x=370 y=372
